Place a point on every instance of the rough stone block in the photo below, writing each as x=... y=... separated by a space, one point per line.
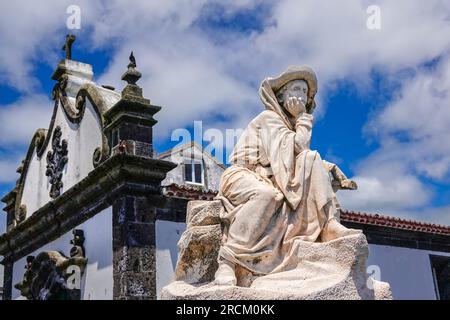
x=198 y=251
x=203 y=213
x=199 y=245
x=334 y=270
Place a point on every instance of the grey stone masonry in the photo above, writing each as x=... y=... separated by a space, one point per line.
x=134 y=248
x=7 y=281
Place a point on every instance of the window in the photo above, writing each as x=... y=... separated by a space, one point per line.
x=193 y=172
x=440 y=266
x=115 y=138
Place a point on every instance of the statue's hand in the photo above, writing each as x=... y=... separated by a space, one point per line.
x=295 y=107
x=348 y=184
x=311 y=109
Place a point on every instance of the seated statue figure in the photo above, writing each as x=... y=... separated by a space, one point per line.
x=277 y=191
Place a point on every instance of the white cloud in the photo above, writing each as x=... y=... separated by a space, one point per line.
x=439 y=215
x=192 y=72
x=188 y=84
x=221 y=72
x=28 y=35
x=195 y=73
x=375 y=194
x=414 y=127
x=412 y=131
x=8 y=170
x=20 y=120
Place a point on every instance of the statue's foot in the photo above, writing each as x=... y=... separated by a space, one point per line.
x=334 y=230
x=225 y=274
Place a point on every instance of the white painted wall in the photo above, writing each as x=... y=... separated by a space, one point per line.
x=82 y=141
x=167 y=236
x=1 y=275
x=407 y=270
x=97 y=282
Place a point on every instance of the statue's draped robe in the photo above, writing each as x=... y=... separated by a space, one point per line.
x=276 y=192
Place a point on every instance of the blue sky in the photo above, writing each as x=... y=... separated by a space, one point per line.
x=383 y=103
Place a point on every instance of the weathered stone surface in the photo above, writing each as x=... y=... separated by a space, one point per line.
x=203 y=213
x=331 y=270
x=199 y=245
x=7 y=281
x=134 y=249
x=46 y=277
x=198 y=251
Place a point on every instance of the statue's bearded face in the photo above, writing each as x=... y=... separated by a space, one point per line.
x=297 y=89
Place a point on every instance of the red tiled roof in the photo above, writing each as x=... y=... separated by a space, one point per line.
x=198 y=193
x=393 y=222
x=189 y=192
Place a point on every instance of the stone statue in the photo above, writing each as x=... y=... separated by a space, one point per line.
x=277 y=191
x=274 y=230
x=48 y=274
x=46 y=277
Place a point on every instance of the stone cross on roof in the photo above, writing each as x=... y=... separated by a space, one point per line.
x=70 y=39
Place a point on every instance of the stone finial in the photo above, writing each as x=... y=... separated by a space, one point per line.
x=131 y=76
x=132 y=63
x=70 y=39
x=129 y=122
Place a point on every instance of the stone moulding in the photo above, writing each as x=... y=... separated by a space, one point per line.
x=75 y=112
x=118 y=175
x=41 y=138
x=89 y=92
x=38 y=143
x=22 y=213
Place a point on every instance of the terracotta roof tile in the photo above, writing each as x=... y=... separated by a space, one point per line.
x=393 y=222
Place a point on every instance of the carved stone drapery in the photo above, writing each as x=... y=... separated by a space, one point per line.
x=56 y=160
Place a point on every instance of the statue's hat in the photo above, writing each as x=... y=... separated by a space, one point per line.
x=296 y=73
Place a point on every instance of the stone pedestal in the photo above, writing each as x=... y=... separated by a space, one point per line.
x=333 y=270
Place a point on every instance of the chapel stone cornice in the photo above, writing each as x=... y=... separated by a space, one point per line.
x=120 y=174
